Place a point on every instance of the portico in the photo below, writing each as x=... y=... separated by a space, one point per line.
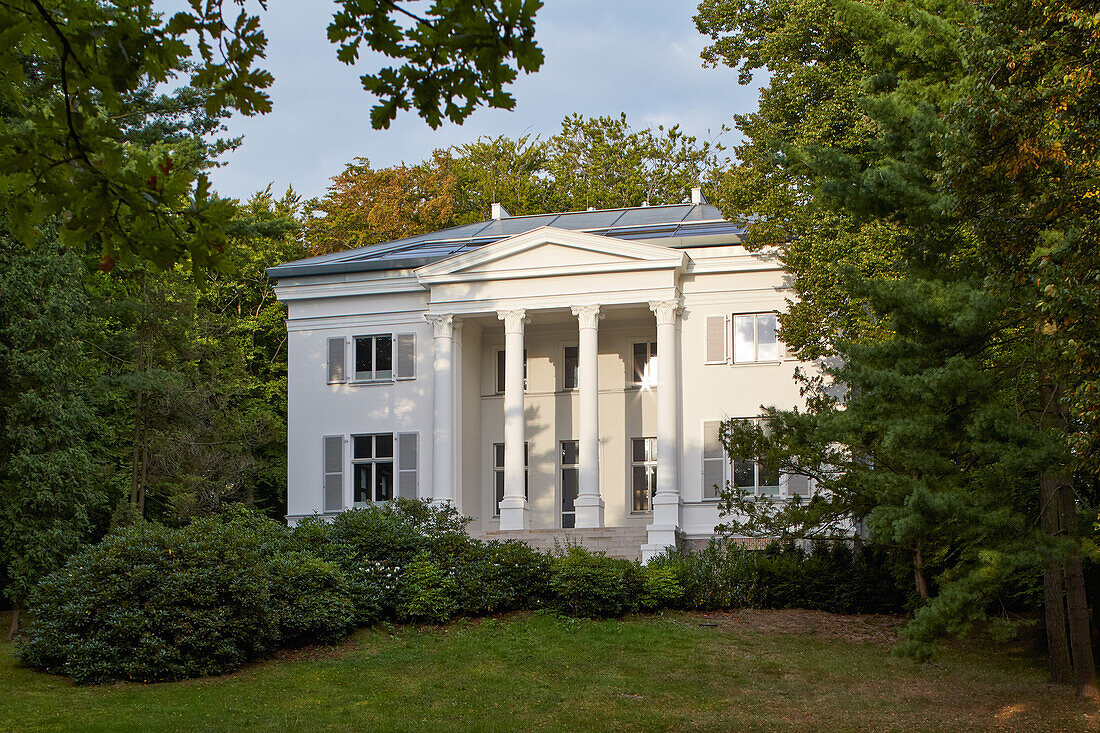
x=605 y=274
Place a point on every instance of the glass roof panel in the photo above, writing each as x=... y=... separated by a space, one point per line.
x=588 y=219
x=515 y=225
x=653 y=215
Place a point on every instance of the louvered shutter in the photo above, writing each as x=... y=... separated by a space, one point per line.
x=407 y=456
x=334 y=473
x=798 y=486
x=716 y=340
x=336 y=371
x=406 y=356
x=714 y=460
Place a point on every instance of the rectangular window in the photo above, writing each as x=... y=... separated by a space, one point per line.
x=501 y=370
x=570 y=480
x=753 y=477
x=372 y=468
x=374 y=358
x=498 y=474
x=645 y=364
x=571 y=368
x=643 y=473
x=754 y=338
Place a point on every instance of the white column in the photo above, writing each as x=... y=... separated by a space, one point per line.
x=589 y=504
x=443 y=473
x=513 y=508
x=667 y=503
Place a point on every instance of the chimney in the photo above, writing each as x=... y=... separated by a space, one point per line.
x=697 y=196
x=499 y=212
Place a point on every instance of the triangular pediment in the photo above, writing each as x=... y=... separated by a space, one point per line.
x=548 y=252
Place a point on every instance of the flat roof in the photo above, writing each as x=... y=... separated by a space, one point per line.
x=640 y=222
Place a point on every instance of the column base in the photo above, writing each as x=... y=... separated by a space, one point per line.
x=665 y=530
x=589 y=511
x=514 y=513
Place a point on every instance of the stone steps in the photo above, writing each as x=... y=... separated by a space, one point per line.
x=620 y=542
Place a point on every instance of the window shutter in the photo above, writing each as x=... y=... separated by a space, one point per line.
x=406 y=356
x=407 y=450
x=336 y=372
x=334 y=473
x=714 y=460
x=716 y=340
x=798 y=486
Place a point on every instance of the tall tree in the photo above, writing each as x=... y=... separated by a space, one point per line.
x=68 y=67
x=48 y=474
x=944 y=412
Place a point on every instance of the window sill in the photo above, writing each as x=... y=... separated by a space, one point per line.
x=775 y=362
x=369 y=382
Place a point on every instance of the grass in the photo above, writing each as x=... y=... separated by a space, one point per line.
x=526 y=672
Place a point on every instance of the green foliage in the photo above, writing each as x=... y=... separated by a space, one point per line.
x=457 y=55
x=311 y=597
x=427 y=592
x=719 y=576
x=660 y=588
x=599 y=162
x=590 y=585
x=76 y=75
x=154 y=603
x=48 y=466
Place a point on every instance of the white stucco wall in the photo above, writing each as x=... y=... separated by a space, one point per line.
x=715 y=281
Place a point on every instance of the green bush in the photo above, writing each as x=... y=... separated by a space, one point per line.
x=660 y=588
x=427 y=592
x=717 y=577
x=589 y=585
x=154 y=603
x=311 y=598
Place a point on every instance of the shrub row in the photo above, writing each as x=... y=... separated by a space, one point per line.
x=156 y=603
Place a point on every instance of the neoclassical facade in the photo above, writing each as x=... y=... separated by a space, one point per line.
x=562 y=373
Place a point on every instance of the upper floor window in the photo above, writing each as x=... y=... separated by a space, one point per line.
x=645 y=364
x=754 y=338
x=501 y=370
x=372 y=468
x=374 y=358
x=571 y=375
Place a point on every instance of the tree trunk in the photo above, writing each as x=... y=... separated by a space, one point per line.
x=1054 y=609
x=918 y=574
x=1080 y=640
x=14 y=628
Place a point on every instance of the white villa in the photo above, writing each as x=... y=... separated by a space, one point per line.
x=551 y=375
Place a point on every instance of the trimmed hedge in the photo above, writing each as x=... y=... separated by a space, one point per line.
x=156 y=603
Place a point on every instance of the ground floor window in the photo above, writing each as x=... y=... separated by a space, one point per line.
x=498 y=474
x=570 y=479
x=372 y=468
x=754 y=477
x=643 y=473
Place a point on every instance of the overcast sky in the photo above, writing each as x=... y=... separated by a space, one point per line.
x=602 y=58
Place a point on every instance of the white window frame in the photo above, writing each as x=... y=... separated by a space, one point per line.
x=374 y=461
x=498 y=473
x=562 y=468
x=650 y=371
x=373 y=378
x=650 y=466
x=501 y=367
x=565 y=369
x=736 y=357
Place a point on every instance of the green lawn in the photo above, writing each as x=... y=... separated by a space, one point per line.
x=783 y=671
